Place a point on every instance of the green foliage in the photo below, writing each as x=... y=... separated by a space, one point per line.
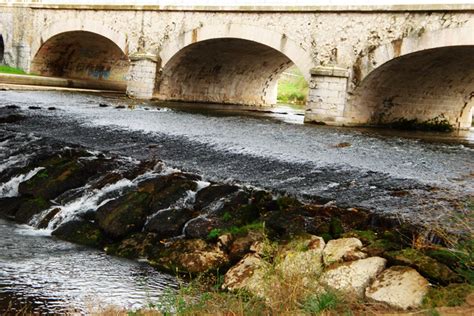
x=11 y=70
x=43 y=174
x=316 y=304
x=226 y=217
x=214 y=233
x=292 y=88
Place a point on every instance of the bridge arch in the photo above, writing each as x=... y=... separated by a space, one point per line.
x=423 y=78
x=78 y=49
x=231 y=63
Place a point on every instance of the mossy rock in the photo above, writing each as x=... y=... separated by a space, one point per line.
x=375 y=244
x=213 y=193
x=10 y=205
x=427 y=266
x=140 y=245
x=30 y=208
x=460 y=260
x=60 y=176
x=125 y=215
x=80 y=232
x=193 y=256
x=166 y=190
x=451 y=295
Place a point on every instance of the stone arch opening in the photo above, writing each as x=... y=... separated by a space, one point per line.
x=2 y=50
x=81 y=55
x=429 y=86
x=223 y=70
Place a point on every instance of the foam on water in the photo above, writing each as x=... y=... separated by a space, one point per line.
x=10 y=188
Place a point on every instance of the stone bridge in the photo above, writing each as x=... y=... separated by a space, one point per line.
x=365 y=65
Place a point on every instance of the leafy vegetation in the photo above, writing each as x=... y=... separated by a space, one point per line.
x=11 y=70
x=292 y=87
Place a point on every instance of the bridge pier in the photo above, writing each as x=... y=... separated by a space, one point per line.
x=327 y=95
x=142 y=75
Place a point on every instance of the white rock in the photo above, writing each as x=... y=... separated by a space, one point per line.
x=354 y=277
x=400 y=287
x=248 y=274
x=304 y=264
x=343 y=249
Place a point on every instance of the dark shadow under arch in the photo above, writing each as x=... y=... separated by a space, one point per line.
x=223 y=70
x=81 y=55
x=2 y=49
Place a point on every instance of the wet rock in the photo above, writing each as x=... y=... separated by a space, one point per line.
x=140 y=245
x=249 y=274
x=12 y=107
x=399 y=287
x=103 y=105
x=51 y=108
x=427 y=266
x=48 y=217
x=10 y=206
x=12 y=118
x=286 y=222
x=353 y=277
x=124 y=215
x=302 y=259
x=120 y=107
x=191 y=256
x=169 y=222
x=213 y=193
x=30 y=208
x=200 y=227
x=167 y=190
x=60 y=175
x=80 y=232
x=34 y=107
x=241 y=245
x=343 y=249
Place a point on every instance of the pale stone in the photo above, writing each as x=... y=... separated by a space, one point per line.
x=304 y=265
x=353 y=277
x=249 y=274
x=361 y=48
x=400 y=287
x=343 y=249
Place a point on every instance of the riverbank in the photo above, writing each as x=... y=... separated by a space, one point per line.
x=85 y=194
x=286 y=256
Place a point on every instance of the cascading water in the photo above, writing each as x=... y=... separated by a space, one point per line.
x=10 y=188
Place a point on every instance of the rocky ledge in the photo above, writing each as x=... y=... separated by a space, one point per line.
x=183 y=224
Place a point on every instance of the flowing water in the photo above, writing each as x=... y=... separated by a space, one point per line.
x=354 y=167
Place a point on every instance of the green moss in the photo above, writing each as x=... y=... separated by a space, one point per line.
x=11 y=70
x=214 y=234
x=286 y=202
x=226 y=217
x=335 y=227
x=451 y=295
x=426 y=265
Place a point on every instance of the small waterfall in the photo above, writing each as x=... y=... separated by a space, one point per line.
x=90 y=200
x=10 y=188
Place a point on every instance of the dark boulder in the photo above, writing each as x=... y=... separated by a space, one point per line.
x=166 y=190
x=9 y=206
x=213 y=193
x=139 y=245
x=169 y=222
x=60 y=175
x=80 y=232
x=124 y=215
x=30 y=208
x=200 y=227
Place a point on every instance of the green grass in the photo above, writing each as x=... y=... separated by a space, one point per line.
x=11 y=70
x=292 y=88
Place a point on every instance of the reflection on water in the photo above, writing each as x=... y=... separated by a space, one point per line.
x=54 y=276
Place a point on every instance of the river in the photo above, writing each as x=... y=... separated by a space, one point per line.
x=272 y=150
